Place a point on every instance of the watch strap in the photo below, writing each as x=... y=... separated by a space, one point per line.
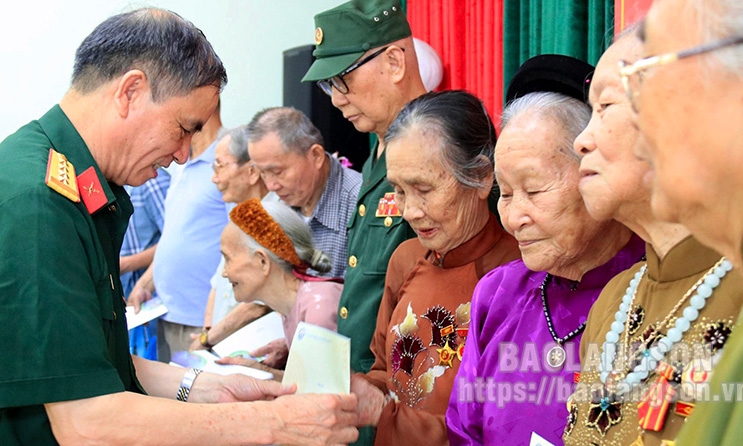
x=204 y=338
x=185 y=389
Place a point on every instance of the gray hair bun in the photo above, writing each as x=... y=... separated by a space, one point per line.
x=320 y=261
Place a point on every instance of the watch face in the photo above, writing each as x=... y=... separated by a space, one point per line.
x=204 y=338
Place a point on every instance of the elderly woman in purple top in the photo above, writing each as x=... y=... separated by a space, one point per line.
x=527 y=316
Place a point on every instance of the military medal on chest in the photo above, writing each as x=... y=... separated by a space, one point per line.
x=387 y=208
x=650 y=358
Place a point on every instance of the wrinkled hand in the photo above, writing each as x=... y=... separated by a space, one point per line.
x=275 y=352
x=314 y=419
x=371 y=401
x=240 y=387
x=238 y=360
x=137 y=297
x=247 y=362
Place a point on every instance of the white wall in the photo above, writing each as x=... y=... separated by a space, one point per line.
x=38 y=39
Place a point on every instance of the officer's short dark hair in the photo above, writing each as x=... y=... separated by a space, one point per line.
x=171 y=51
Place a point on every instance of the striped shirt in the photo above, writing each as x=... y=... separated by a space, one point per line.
x=330 y=217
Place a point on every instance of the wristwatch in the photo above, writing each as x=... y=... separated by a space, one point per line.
x=185 y=389
x=204 y=338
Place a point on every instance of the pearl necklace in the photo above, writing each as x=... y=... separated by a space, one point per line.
x=556 y=355
x=702 y=290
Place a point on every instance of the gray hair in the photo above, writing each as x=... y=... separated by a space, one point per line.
x=458 y=124
x=238 y=146
x=298 y=232
x=570 y=113
x=295 y=130
x=171 y=51
x=722 y=19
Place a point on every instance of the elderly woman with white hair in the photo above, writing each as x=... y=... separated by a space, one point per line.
x=528 y=316
x=267 y=249
x=658 y=328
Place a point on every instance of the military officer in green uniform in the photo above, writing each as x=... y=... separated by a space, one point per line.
x=365 y=60
x=143 y=83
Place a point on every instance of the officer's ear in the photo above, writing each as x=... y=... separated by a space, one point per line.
x=395 y=57
x=131 y=89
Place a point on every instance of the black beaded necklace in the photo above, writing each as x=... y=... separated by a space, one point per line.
x=556 y=355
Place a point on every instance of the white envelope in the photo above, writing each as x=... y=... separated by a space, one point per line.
x=202 y=359
x=537 y=440
x=319 y=361
x=256 y=334
x=152 y=309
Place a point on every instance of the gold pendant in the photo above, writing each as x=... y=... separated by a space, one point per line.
x=638 y=442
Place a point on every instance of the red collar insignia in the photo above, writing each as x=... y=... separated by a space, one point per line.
x=91 y=190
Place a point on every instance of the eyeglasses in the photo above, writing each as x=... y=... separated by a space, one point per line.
x=217 y=166
x=632 y=72
x=338 y=82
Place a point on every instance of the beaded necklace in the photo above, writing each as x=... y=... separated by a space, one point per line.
x=615 y=385
x=556 y=355
x=701 y=290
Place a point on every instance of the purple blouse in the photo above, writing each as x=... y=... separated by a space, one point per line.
x=505 y=389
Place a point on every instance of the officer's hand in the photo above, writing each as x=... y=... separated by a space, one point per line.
x=238 y=387
x=138 y=296
x=274 y=353
x=314 y=419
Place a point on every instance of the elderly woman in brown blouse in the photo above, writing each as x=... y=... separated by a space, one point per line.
x=439 y=158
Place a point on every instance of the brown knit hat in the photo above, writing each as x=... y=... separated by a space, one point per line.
x=252 y=218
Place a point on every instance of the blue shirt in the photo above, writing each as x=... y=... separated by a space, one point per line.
x=188 y=252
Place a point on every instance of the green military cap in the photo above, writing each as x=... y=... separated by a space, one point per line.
x=343 y=34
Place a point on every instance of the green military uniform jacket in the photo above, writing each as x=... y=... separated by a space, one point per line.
x=62 y=316
x=371 y=241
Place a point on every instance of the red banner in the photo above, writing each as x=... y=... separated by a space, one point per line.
x=627 y=12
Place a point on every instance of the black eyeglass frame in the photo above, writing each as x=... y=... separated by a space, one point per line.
x=337 y=81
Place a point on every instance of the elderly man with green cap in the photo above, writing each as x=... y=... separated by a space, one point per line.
x=366 y=62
